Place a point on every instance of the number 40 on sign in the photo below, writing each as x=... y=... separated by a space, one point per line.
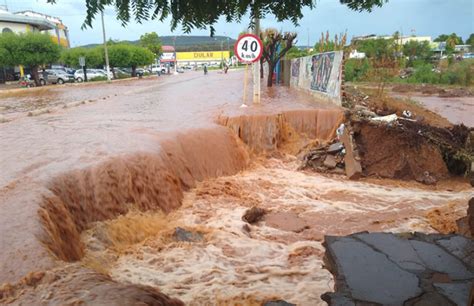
x=248 y=48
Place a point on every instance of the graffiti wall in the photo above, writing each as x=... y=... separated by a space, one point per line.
x=320 y=74
x=321 y=71
x=295 y=68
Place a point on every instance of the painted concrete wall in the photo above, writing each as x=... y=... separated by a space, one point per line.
x=14 y=27
x=319 y=74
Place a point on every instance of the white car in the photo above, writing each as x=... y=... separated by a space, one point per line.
x=91 y=73
x=105 y=73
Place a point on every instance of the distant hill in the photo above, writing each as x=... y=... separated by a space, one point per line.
x=189 y=42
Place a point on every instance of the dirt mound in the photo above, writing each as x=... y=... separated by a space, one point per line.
x=74 y=285
x=392 y=152
x=141 y=181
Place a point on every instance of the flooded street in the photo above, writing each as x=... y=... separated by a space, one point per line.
x=145 y=184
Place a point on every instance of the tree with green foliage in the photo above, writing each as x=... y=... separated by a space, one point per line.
x=8 y=46
x=295 y=52
x=93 y=56
x=275 y=46
x=119 y=56
x=377 y=48
x=152 y=42
x=140 y=56
x=451 y=41
x=200 y=14
x=30 y=49
x=470 y=41
x=452 y=36
x=416 y=50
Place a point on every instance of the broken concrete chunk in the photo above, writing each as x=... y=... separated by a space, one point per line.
x=368 y=274
x=458 y=293
x=387 y=269
x=386 y=119
x=397 y=249
x=353 y=167
x=253 y=215
x=335 y=148
x=330 y=162
x=437 y=259
x=461 y=247
x=180 y=234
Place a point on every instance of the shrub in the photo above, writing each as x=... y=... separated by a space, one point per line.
x=356 y=69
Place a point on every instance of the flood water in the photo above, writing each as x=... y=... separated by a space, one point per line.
x=457 y=109
x=93 y=193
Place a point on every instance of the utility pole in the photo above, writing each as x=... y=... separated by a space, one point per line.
x=308 y=40
x=107 y=67
x=256 y=65
x=175 y=59
x=222 y=54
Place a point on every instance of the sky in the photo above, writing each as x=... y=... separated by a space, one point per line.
x=419 y=17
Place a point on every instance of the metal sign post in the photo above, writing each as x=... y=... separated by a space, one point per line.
x=249 y=49
x=82 y=63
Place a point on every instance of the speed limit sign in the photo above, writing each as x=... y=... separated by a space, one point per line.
x=248 y=48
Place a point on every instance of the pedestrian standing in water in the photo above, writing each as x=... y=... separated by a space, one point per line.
x=205 y=69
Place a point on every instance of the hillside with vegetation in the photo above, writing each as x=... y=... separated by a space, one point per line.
x=189 y=42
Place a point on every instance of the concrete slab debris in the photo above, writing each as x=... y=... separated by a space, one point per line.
x=353 y=166
x=391 y=269
x=335 y=148
x=330 y=162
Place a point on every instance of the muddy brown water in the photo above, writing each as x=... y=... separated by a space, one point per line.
x=456 y=109
x=91 y=185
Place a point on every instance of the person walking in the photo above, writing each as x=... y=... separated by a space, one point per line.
x=205 y=69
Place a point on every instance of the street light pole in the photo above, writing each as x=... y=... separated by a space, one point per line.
x=222 y=53
x=105 y=48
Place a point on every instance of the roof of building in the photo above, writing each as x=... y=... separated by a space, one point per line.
x=40 y=23
x=167 y=48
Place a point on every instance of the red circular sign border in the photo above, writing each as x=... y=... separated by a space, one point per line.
x=259 y=42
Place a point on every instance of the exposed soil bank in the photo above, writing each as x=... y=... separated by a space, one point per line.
x=410 y=150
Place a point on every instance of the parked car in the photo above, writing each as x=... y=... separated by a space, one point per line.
x=105 y=72
x=56 y=76
x=155 y=68
x=91 y=73
x=179 y=70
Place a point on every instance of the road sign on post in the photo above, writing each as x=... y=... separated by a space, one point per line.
x=249 y=49
x=82 y=63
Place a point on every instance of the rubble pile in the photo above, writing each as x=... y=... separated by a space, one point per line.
x=394 y=147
